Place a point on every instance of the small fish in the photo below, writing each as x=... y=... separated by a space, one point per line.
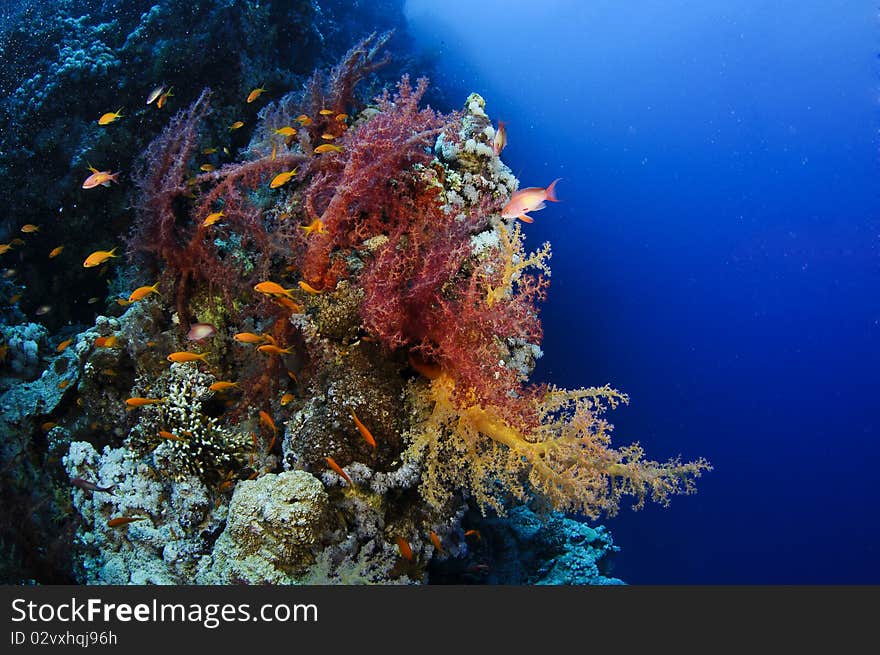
x=5 y=247
x=48 y=425
x=338 y=470
x=212 y=218
x=61 y=347
x=249 y=337
x=500 y=139
x=107 y=342
x=303 y=120
x=100 y=178
x=109 y=117
x=14 y=298
x=142 y=292
x=155 y=93
x=209 y=151
x=308 y=288
x=223 y=385
x=405 y=550
x=236 y=125
x=120 y=521
x=162 y=99
x=123 y=301
x=281 y=179
x=17 y=242
x=207 y=168
x=170 y=436
x=85 y=485
x=109 y=372
x=42 y=310
x=315 y=227
x=30 y=228
x=365 y=433
x=271 y=349
x=436 y=541
x=63 y=384
x=273 y=289
x=473 y=533
x=292 y=306
x=200 y=331
x=327 y=147
x=253 y=95
x=326 y=112
x=528 y=200
x=98 y=257
x=266 y=420
x=142 y=402
x=342 y=117
x=328 y=137
x=55 y=252
x=287 y=130
x=185 y=356
x=286 y=399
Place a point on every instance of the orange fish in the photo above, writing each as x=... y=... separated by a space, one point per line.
x=142 y=292
x=365 y=433
x=98 y=257
x=327 y=147
x=273 y=289
x=162 y=99
x=236 y=125
x=213 y=218
x=500 y=139
x=405 y=550
x=141 y=402
x=328 y=137
x=286 y=399
x=185 y=356
x=342 y=117
x=207 y=167
x=5 y=247
x=326 y=112
x=253 y=95
x=106 y=342
x=30 y=228
x=109 y=117
x=472 y=533
x=14 y=298
x=271 y=349
x=266 y=420
x=209 y=151
x=316 y=226
x=170 y=436
x=222 y=385
x=287 y=130
x=281 y=179
x=120 y=521
x=292 y=306
x=529 y=200
x=48 y=425
x=436 y=541
x=155 y=93
x=308 y=288
x=99 y=178
x=55 y=252
x=249 y=337
x=338 y=470
x=63 y=384
x=303 y=120
x=61 y=347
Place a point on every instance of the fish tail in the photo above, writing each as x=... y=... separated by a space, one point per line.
x=550 y=191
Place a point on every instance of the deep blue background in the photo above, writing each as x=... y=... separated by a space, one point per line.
x=715 y=256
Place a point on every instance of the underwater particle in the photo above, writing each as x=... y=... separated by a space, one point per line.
x=98 y=257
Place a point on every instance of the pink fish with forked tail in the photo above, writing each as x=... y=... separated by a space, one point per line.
x=528 y=200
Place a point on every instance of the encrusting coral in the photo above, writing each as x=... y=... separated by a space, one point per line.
x=373 y=324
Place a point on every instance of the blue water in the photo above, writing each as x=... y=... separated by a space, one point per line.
x=715 y=256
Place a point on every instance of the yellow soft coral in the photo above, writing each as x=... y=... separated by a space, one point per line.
x=566 y=460
x=514 y=261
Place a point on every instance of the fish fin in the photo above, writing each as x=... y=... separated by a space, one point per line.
x=550 y=191
x=525 y=219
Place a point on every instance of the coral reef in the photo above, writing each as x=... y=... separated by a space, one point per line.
x=362 y=388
